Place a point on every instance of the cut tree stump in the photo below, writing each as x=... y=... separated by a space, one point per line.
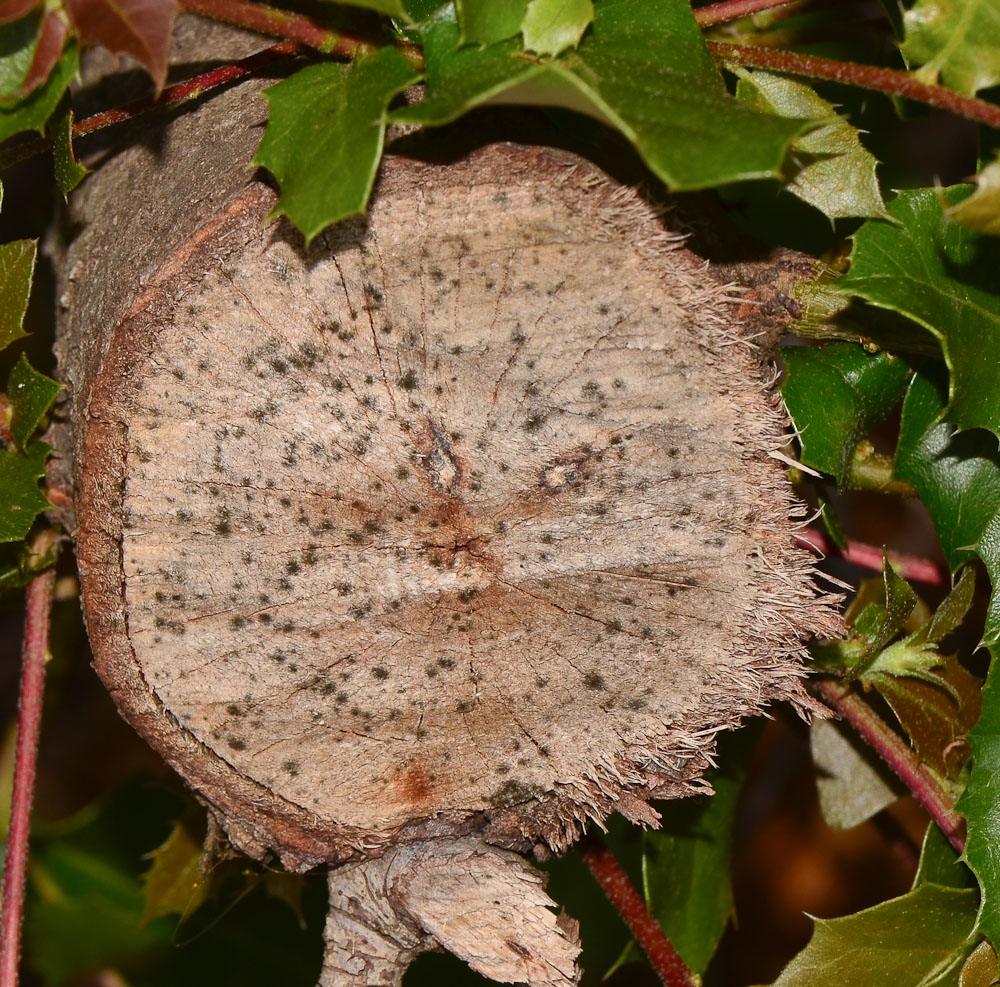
x=433 y=542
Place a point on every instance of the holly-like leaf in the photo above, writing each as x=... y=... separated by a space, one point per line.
x=920 y=938
x=30 y=394
x=956 y=41
x=829 y=167
x=981 y=210
x=17 y=268
x=643 y=68
x=940 y=864
x=68 y=171
x=33 y=112
x=174 y=883
x=484 y=22
x=685 y=866
x=21 y=501
x=325 y=134
x=552 y=26
x=836 y=394
x=851 y=789
x=17 y=51
x=943 y=277
x=140 y=28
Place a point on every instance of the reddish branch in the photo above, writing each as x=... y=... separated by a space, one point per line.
x=870 y=557
x=731 y=10
x=881 y=80
x=647 y=931
x=36 y=649
x=897 y=754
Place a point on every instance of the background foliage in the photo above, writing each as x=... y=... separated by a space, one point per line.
x=893 y=385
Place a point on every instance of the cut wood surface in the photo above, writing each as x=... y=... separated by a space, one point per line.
x=460 y=526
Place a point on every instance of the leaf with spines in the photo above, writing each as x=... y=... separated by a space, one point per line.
x=956 y=42
x=552 y=26
x=17 y=268
x=836 y=394
x=30 y=395
x=21 y=501
x=828 y=167
x=643 y=68
x=325 y=134
x=68 y=171
x=943 y=277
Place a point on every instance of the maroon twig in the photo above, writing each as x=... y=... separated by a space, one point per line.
x=731 y=10
x=870 y=557
x=648 y=933
x=887 y=81
x=897 y=755
x=29 y=721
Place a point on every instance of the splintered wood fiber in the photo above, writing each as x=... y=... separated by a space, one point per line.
x=462 y=519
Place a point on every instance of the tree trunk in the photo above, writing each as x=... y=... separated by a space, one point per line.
x=458 y=529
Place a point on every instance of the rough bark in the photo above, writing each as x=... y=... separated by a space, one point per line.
x=461 y=526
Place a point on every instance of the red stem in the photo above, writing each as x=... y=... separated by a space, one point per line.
x=647 y=931
x=731 y=10
x=36 y=649
x=870 y=557
x=897 y=755
x=279 y=24
x=863 y=76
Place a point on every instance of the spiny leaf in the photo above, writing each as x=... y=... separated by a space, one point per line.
x=851 y=789
x=68 y=171
x=324 y=137
x=981 y=210
x=956 y=40
x=552 y=26
x=174 y=883
x=643 y=68
x=920 y=938
x=829 y=167
x=17 y=267
x=32 y=113
x=940 y=864
x=836 y=394
x=20 y=499
x=685 y=866
x=942 y=276
x=140 y=28
x=484 y=22
x=30 y=394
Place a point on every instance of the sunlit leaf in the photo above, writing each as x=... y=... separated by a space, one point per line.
x=828 y=167
x=552 y=26
x=981 y=210
x=30 y=394
x=483 y=22
x=17 y=52
x=954 y=41
x=324 y=137
x=33 y=112
x=140 y=28
x=51 y=41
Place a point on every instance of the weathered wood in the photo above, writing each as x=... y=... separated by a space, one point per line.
x=459 y=527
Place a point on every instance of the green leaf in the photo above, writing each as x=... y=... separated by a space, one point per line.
x=19 y=564
x=957 y=41
x=830 y=169
x=940 y=863
x=851 y=789
x=17 y=51
x=30 y=395
x=20 y=499
x=643 y=68
x=68 y=171
x=943 y=277
x=552 y=26
x=685 y=866
x=325 y=134
x=836 y=395
x=33 y=112
x=174 y=883
x=981 y=807
x=391 y=8
x=981 y=210
x=484 y=22
x=17 y=268
x=920 y=938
